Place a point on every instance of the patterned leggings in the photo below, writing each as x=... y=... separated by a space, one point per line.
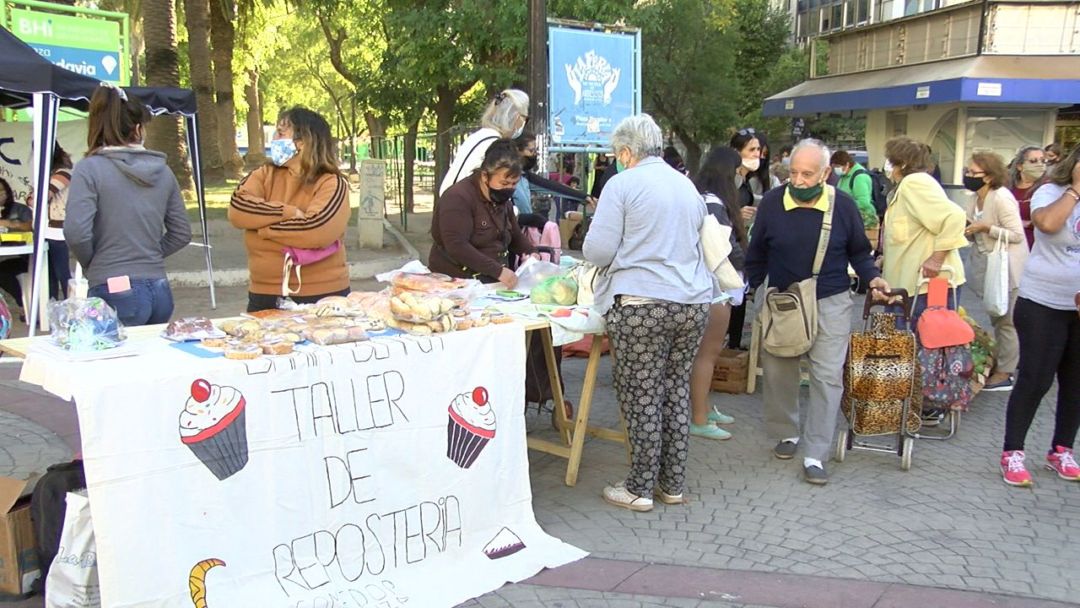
x=654 y=347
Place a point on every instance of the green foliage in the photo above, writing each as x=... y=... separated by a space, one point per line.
x=689 y=56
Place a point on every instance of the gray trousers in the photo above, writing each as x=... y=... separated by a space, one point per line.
x=781 y=382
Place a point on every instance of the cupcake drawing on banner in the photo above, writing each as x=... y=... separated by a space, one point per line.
x=213 y=427
x=471 y=427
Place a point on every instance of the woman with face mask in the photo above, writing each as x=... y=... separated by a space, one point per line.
x=124 y=213
x=474 y=229
x=993 y=214
x=294 y=211
x=1028 y=169
x=504 y=118
x=752 y=180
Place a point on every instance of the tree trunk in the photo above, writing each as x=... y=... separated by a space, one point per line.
x=197 y=19
x=223 y=36
x=256 y=144
x=444 y=121
x=163 y=69
x=410 y=163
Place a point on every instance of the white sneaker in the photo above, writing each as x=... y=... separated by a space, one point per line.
x=619 y=496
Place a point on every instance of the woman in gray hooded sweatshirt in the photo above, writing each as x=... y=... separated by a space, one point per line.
x=124 y=212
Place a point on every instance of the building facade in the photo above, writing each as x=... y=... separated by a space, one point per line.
x=961 y=76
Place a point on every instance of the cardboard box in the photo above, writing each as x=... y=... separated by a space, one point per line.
x=18 y=546
x=566 y=229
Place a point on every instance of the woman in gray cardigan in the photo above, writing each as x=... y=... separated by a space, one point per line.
x=993 y=213
x=654 y=294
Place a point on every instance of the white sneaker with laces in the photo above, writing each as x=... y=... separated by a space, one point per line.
x=619 y=496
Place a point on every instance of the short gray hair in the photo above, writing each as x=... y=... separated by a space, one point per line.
x=815 y=144
x=640 y=134
x=503 y=111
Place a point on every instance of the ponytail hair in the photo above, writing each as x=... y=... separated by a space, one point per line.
x=114 y=116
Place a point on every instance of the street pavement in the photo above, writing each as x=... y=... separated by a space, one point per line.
x=946 y=533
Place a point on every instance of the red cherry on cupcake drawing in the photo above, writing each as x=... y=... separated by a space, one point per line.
x=200 y=390
x=480 y=396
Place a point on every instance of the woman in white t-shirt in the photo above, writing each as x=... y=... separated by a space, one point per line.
x=1049 y=328
x=504 y=118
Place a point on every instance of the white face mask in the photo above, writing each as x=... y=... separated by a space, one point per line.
x=887 y=169
x=751 y=164
x=518 y=131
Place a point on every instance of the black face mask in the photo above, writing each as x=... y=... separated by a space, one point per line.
x=973 y=183
x=500 y=196
x=528 y=163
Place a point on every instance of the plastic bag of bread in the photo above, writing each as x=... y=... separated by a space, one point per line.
x=561 y=290
x=335 y=306
x=418 y=308
x=340 y=334
x=443 y=324
x=431 y=282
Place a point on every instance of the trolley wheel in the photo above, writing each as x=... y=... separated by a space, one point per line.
x=905 y=454
x=842 y=445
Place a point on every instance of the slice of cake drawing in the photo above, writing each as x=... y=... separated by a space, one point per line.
x=505 y=543
x=470 y=428
x=213 y=426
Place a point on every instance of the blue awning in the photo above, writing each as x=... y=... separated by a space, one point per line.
x=981 y=80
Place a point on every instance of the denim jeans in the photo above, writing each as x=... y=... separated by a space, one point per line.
x=149 y=301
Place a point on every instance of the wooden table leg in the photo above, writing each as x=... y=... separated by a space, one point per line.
x=581 y=420
x=559 y=400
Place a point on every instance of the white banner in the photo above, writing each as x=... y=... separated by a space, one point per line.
x=16 y=139
x=390 y=473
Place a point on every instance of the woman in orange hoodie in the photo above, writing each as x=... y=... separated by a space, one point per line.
x=294 y=211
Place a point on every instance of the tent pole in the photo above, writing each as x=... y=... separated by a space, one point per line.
x=45 y=108
x=196 y=171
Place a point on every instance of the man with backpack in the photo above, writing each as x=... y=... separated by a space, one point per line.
x=861 y=185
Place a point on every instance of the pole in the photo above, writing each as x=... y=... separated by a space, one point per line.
x=538 y=76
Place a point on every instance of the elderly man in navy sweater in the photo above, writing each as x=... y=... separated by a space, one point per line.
x=783 y=242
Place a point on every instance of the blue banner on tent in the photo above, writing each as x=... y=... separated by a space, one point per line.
x=103 y=65
x=594 y=82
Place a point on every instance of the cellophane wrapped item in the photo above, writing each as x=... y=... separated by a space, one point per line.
x=85 y=325
x=560 y=290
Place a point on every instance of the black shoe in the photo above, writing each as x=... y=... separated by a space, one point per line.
x=785 y=450
x=815 y=475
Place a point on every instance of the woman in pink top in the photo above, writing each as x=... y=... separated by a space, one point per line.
x=1027 y=172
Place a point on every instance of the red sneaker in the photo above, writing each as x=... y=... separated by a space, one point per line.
x=1012 y=469
x=1061 y=461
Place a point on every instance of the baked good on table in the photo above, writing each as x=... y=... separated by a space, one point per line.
x=430 y=282
x=84 y=325
x=191 y=328
x=243 y=351
x=214 y=342
x=419 y=308
x=277 y=347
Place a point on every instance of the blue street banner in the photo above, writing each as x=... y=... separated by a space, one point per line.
x=594 y=82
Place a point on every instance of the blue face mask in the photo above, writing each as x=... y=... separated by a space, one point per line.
x=282 y=151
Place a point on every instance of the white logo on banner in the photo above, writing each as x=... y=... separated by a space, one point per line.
x=592 y=78
x=109 y=63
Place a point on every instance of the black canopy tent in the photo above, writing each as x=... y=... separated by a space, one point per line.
x=27 y=80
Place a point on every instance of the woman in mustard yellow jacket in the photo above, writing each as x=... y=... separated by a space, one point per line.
x=924 y=230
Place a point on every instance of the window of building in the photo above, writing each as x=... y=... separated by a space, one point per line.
x=1003 y=131
x=862 y=11
x=943 y=143
x=837 y=16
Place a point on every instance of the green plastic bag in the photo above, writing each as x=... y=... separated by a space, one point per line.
x=560 y=290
